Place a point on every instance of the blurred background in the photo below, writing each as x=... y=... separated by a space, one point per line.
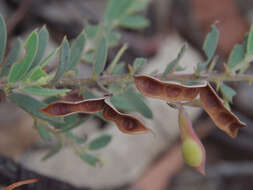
x=143 y=162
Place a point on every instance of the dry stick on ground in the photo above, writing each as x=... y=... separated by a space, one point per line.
x=11 y=172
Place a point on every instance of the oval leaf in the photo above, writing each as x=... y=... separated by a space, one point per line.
x=20 y=69
x=64 y=60
x=42 y=44
x=100 y=57
x=38 y=91
x=12 y=57
x=100 y=142
x=32 y=106
x=3 y=37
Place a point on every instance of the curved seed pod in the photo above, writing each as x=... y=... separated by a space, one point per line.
x=64 y=108
x=222 y=117
x=168 y=91
x=126 y=123
x=20 y=183
x=193 y=151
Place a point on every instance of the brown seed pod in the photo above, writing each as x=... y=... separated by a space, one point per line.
x=64 y=108
x=126 y=123
x=168 y=91
x=222 y=117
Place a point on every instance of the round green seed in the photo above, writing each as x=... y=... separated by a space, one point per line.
x=191 y=152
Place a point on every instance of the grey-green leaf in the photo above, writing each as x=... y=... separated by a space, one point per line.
x=100 y=56
x=89 y=159
x=116 y=9
x=237 y=55
x=20 y=69
x=118 y=69
x=139 y=63
x=138 y=5
x=209 y=46
x=134 y=22
x=76 y=51
x=100 y=142
x=227 y=92
x=32 y=106
x=172 y=66
x=78 y=140
x=64 y=60
x=50 y=56
x=52 y=152
x=38 y=91
x=250 y=43
x=137 y=101
x=132 y=101
x=36 y=75
x=3 y=37
x=43 y=40
x=42 y=130
x=12 y=57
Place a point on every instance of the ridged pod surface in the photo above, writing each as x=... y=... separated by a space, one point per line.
x=64 y=108
x=168 y=91
x=126 y=123
x=220 y=114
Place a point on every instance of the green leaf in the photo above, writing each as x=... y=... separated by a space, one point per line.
x=89 y=56
x=134 y=22
x=38 y=91
x=100 y=57
x=64 y=60
x=139 y=63
x=118 y=69
x=116 y=9
x=131 y=101
x=53 y=152
x=3 y=37
x=12 y=57
x=113 y=39
x=237 y=55
x=121 y=103
x=43 y=40
x=209 y=47
x=20 y=69
x=42 y=130
x=77 y=139
x=37 y=74
x=250 y=43
x=32 y=106
x=116 y=59
x=73 y=121
x=100 y=142
x=138 y=5
x=172 y=66
x=44 y=62
x=89 y=159
x=91 y=31
x=137 y=101
x=76 y=51
x=227 y=92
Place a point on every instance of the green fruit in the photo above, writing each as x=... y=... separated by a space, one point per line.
x=192 y=153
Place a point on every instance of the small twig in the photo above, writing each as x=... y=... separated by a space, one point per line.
x=126 y=78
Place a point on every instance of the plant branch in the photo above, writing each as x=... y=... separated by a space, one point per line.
x=126 y=78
